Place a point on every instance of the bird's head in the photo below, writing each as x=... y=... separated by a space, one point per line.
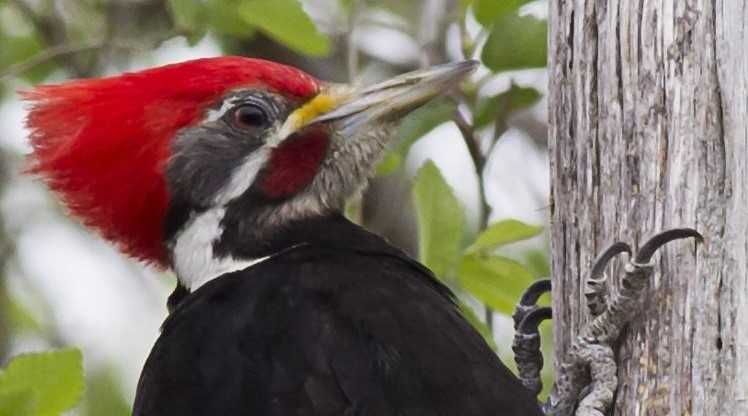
x=140 y=155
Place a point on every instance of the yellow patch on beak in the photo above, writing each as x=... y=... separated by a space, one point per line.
x=323 y=103
x=319 y=105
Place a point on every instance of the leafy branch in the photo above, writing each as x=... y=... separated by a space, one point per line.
x=72 y=48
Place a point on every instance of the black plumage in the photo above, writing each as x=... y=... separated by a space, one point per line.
x=335 y=322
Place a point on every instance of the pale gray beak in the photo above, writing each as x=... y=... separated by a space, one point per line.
x=392 y=99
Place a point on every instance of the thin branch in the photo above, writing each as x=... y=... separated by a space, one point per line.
x=67 y=49
x=470 y=136
x=479 y=161
x=47 y=55
x=40 y=25
x=53 y=32
x=471 y=140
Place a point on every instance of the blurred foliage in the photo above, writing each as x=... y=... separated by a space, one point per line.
x=440 y=220
x=103 y=394
x=496 y=109
x=516 y=42
x=283 y=20
x=286 y=22
x=501 y=234
x=496 y=281
x=41 y=384
x=49 y=40
x=488 y=11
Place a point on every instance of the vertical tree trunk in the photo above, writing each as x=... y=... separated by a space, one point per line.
x=648 y=112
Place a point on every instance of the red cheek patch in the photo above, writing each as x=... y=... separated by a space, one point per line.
x=293 y=165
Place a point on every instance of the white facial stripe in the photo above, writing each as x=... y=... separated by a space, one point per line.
x=243 y=176
x=214 y=114
x=289 y=127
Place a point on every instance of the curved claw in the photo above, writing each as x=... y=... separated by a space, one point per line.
x=526 y=344
x=534 y=292
x=595 y=287
x=648 y=249
x=533 y=319
x=603 y=259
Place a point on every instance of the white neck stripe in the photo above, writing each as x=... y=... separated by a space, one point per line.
x=193 y=248
x=195 y=263
x=225 y=265
x=229 y=264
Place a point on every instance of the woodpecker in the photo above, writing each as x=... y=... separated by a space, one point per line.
x=233 y=172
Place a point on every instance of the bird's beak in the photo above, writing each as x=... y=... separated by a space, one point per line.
x=355 y=107
x=395 y=97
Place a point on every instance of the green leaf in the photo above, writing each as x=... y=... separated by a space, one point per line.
x=495 y=280
x=22 y=317
x=286 y=22
x=486 y=11
x=15 y=402
x=516 y=42
x=391 y=164
x=52 y=380
x=222 y=18
x=420 y=122
x=104 y=394
x=516 y=98
x=440 y=220
x=186 y=14
x=502 y=233
x=537 y=262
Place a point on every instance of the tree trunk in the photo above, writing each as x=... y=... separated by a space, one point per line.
x=648 y=112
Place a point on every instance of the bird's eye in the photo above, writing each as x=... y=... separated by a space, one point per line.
x=250 y=117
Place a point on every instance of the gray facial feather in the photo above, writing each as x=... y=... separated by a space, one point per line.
x=203 y=160
x=206 y=156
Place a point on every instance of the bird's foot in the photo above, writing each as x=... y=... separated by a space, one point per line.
x=526 y=345
x=587 y=380
x=589 y=370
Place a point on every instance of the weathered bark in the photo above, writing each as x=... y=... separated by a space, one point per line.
x=648 y=112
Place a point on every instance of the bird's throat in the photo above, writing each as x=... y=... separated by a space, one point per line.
x=194 y=260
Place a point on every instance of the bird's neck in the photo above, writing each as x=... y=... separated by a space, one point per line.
x=218 y=241
x=194 y=259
